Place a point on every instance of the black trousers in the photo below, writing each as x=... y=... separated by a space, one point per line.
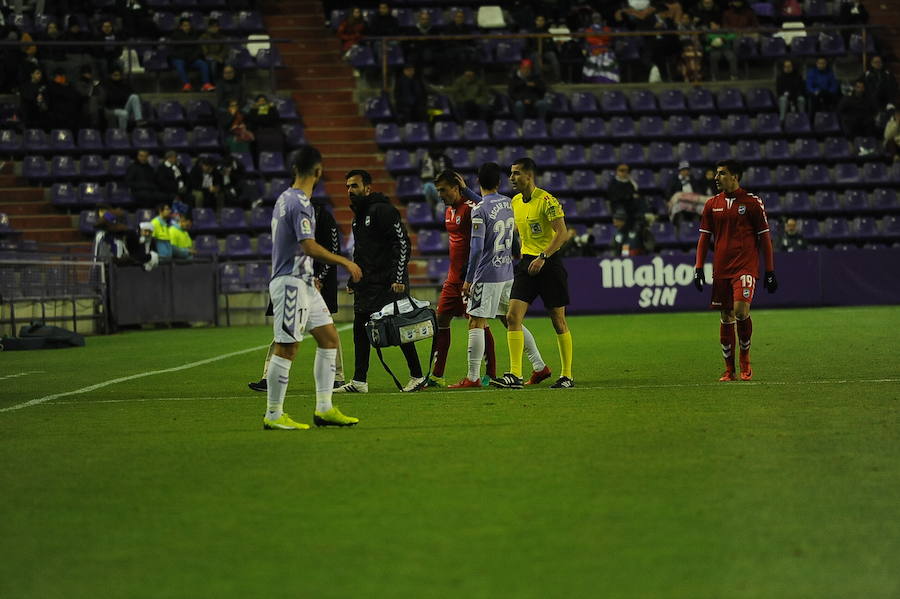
x=362 y=349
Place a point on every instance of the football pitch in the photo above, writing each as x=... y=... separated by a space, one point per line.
x=137 y=467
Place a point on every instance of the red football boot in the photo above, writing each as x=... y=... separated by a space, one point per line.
x=746 y=371
x=538 y=375
x=465 y=383
x=728 y=375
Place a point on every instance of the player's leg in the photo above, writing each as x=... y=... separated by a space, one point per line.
x=475 y=352
x=442 y=344
x=260 y=385
x=564 y=344
x=744 y=332
x=554 y=289
x=727 y=341
x=361 y=349
x=515 y=337
x=416 y=380
x=339 y=364
x=539 y=368
x=490 y=353
x=290 y=306
x=326 y=414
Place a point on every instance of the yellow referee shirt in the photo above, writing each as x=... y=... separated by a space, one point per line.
x=533 y=220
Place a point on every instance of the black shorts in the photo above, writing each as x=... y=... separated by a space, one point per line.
x=551 y=283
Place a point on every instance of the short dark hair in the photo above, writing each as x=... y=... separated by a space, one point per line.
x=358 y=172
x=448 y=177
x=305 y=159
x=527 y=164
x=734 y=167
x=489 y=175
x=263 y=96
x=184 y=20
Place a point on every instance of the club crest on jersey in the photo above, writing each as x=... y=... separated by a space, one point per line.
x=368 y=220
x=458 y=219
x=746 y=293
x=742 y=209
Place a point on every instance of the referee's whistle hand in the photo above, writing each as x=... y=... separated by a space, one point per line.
x=535 y=266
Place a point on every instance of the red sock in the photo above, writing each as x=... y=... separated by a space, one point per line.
x=744 y=331
x=726 y=338
x=489 y=354
x=443 y=346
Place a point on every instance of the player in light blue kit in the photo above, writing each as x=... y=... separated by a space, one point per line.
x=298 y=305
x=490 y=272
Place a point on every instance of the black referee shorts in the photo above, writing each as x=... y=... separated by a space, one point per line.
x=551 y=283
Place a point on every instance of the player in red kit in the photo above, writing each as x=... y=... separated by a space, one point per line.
x=458 y=222
x=736 y=222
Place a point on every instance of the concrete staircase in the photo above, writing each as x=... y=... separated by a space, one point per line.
x=30 y=212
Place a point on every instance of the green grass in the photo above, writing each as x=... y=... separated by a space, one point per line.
x=647 y=480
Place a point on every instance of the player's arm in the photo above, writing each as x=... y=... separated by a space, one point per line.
x=315 y=251
x=702 y=247
x=470 y=195
x=328 y=236
x=764 y=239
x=560 y=236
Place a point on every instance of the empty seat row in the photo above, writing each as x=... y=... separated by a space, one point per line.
x=204 y=219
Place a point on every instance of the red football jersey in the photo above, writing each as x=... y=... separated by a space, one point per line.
x=735 y=225
x=458 y=222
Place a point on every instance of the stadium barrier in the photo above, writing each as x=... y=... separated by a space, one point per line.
x=665 y=283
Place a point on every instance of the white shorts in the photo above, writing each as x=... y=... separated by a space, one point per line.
x=487 y=300
x=298 y=307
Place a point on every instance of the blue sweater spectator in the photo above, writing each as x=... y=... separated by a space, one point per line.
x=822 y=86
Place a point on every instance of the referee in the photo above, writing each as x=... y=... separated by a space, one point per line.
x=542 y=231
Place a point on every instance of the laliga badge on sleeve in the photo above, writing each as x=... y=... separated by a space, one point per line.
x=306 y=227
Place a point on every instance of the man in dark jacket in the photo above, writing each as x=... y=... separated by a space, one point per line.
x=381 y=249
x=185 y=55
x=857 y=112
x=527 y=92
x=171 y=178
x=141 y=180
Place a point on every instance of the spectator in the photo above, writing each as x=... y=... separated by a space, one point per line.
x=137 y=23
x=640 y=15
x=790 y=89
x=686 y=195
x=578 y=245
x=93 y=96
x=852 y=13
x=625 y=201
x=892 y=136
x=185 y=55
x=146 y=239
x=690 y=60
x=433 y=163
x=63 y=101
x=706 y=13
x=881 y=85
x=116 y=241
x=423 y=53
x=141 y=181
x=410 y=96
x=121 y=101
x=206 y=185
x=214 y=51
x=351 y=30
x=664 y=48
x=719 y=46
x=78 y=53
x=791 y=239
x=35 y=101
x=171 y=179
x=471 y=96
x=229 y=87
x=548 y=55
x=230 y=172
x=857 y=112
x=821 y=86
x=52 y=57
x=233 y=124
x=107 y=55
x=458 y=52
x=600 y=65
x=382 y=24
x=263 y=114
x=180 y=238
x=739 y=15
x=161 y=230
x=528 y=92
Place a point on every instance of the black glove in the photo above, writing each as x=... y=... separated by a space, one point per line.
x=771 y=283
x=699 y=279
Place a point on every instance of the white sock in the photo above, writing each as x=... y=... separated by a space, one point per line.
x=269 y=355
x=531 y=350
x=323 y=373
x=277 y=382
x=476 y=352
x=339 y=362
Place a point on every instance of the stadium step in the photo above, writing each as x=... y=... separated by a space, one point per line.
x=290 y=79
x=355 y=147
x=40 y=221
x=55 y=235
x=26 y=208
x=319 y=108
x=342 y=122
x=23 y=194
x=338 y=134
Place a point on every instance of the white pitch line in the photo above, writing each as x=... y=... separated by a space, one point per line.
x=434 y=392
x=46 y=398
x=18 y=374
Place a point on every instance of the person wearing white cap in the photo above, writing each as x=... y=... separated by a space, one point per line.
x=684 y=192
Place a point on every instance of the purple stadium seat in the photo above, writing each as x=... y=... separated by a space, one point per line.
x=602 y=234
x=757 y=177
x=643 y=101
x=602 y=154
x=817 y=175
x=286 y=108
x=855 y=46
x=117 y=194
x=90 y=140
x=767 y=125
x=63 y=194
x=749 y=150
x=836 y=229
x=198 y=112
x=398 y=161
x=569 y=206
x=737 y=125
x=174 y=138
x=664 y=233
x=826 y=201
x=628 y=49
x=831 y=44
x=504 y=130
x=534 y=130
x=206 y=245
x=431 y=241
x=118 y=165
x=170 y=112
x=260 y=218
x=271 y=163
x=865 y=228
x=583 y=182
x=890 y=227
x=856 y=201
x=777 y=150
x=645 y=178
x=484 y=154
x=142 y=138
x=242 y=60
x=591 y=209
x=416 y=134
x=437 y=268
x=826 y=123
x=447 y=132
x=622 y=127
x=250 y=21
x=117 y=140
x=592 y=127
x=474 y=131
x=846 y=173
x=545 y=156
x=232 y=219
x=672 y=101
x=508 y=51
x=238 y=245
x=35 y=168
x=10 y=142
x=572 y=156
x=378 y=109
x=746 y=47
x=806 y=150
x=772 y=48
x=730 y=101
x=875 y=173
x=796 y=124
x=264 y=244
x=204 y=219
x=760 y=99
x=560 y=105
x=772 y=202
x=230 y=279
x=563 y=129
x=838 y=148
x=63 y=167
x=613 y=102
x=409 y=187
x=651 y=127
x=701 y=101
x=62 y=140
x=632 y=154
x=691 y=151
x=803 y=46
x=680 y=126
x=459 y=156
x=709 y=125
x=387 y=134
x=205 y=138
x=87 y=221
x=419 y=214
x=584 y=103
x=796 y=203
x=552 y=180
x=257 y=274
x=361 y=56
x=35 y=140
x=293 y=133
x=92 y=167
x=91 y=194
x=786 y=176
